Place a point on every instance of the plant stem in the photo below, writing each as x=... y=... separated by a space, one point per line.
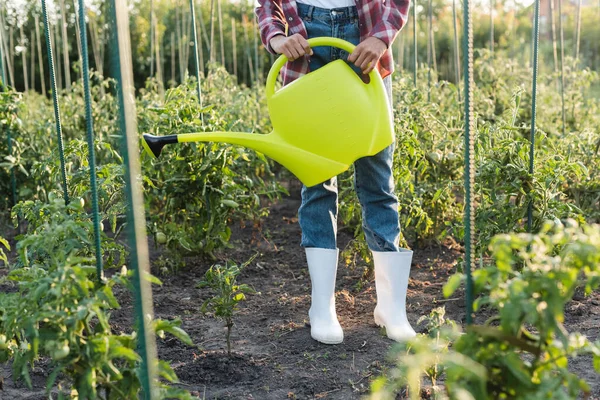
x=229 y=326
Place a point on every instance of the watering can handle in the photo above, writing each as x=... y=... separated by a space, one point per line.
x=315 y=42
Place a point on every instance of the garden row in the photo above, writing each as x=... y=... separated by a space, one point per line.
x=194 y=192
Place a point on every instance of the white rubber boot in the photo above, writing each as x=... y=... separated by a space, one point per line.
x=391 y=281
x=322 y=266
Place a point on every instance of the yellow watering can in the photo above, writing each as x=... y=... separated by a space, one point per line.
x=322 y=122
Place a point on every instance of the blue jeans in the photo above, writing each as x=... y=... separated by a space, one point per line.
x=373 y=177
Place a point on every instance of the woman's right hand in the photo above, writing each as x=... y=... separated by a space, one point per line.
x=293 y=47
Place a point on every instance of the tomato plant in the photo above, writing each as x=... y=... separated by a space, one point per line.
x=222 y=279
x=523 y=350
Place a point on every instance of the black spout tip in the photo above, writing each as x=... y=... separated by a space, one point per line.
x=154 y=144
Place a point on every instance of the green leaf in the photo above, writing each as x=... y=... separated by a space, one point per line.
x=239 y=297
x=452 y=284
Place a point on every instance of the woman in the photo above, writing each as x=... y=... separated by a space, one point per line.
x=371 y=25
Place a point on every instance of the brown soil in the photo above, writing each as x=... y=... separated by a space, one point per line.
x=273 y=354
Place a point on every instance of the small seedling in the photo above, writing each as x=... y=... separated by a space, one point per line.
x=222 y=279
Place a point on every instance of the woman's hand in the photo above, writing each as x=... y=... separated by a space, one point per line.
x=293 y=47
x=367 y=53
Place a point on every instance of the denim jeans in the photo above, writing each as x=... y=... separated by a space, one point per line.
x=373 y=178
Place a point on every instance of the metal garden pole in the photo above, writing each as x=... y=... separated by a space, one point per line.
x=469 y=217
x=90 y=135
x=61 y=148
x=536 y=40
x=136 y=227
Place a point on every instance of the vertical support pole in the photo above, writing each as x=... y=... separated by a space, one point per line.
x=429 y=46
x=32 y=59
x=562 y=65
x=536 y=40
x=77 y=34
x=469 y=217
x=222 y=39
x=136 y=227
x=212 y=31
x=3 y=84
x=90 y=136
x=578 y=30
x=456 y=50
x=492 y=7
x=196 y=61
x=400 y=45
x=173 y=58
x=247 y=45
x=13 y=179
x=58 y=62
x=24 y=58
x=256 y=63
x=416 y=50
x=234 y=48
x=6 y=60
x=65 y=43
x=61 y=149
x=151 y=38
x=553 y=31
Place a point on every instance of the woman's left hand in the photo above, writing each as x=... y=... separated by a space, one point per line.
x=367 y=53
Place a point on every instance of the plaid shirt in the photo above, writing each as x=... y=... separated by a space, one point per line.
x=382 y=19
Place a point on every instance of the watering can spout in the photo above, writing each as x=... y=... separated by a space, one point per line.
x=154 y=144
x=309 y=167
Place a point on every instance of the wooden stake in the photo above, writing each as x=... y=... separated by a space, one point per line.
x=65 y=43
x=182 y=67
x=56 y=50
x=172 y=83
x=39 y=50
x=24 y=59
x=159 y=74
x=578 y=30
x=200 y=45
x=204 y=30
x=222 y=39
x=151 y=38
x=400 y=52
x=78 y=37
x=256 y=62
x=234 y=47
x=554 y=46
x=6 y=52
x=11 y=52
x=212 y=31
x=32 y=49
x=247 y=46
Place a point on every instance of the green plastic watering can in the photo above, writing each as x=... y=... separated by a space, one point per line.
x=322 y=122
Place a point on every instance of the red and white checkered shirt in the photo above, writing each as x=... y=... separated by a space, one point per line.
x=382 y=19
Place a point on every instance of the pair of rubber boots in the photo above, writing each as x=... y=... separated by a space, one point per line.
x=392 y=270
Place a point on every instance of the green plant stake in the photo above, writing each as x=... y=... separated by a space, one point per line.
x=61 y=148
x=222 y=279
x=469 y=218
x=136 y=226
x=90 y=135
x=536 y=40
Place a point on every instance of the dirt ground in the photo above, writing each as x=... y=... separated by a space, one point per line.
x=274 y=355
